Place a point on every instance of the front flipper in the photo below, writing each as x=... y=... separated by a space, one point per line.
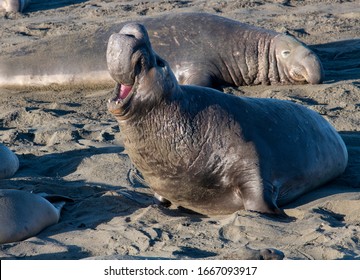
x=162 y=201
x=199 y=79
x=261 y=198
x=190 y=76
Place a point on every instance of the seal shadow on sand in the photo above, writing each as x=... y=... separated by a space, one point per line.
x=46 y=174
x=110 y=200
x=41 y=5
x=340 y=59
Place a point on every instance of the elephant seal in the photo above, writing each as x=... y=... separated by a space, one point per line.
x=211 y=152
x=202 y=49
x=9 y=163
x=14 y=5
x=24 y=214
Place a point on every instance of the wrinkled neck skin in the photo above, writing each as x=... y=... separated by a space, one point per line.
x=256 y=61
x=153 y=100
x=278 y=72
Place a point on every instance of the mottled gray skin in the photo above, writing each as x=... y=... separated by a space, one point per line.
x=210 y=152
x=24 y=214
x=202 y=49
x=9 y=162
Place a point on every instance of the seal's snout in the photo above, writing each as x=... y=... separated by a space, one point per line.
x=119 y=55
x=315 y=71
x=125 y=50
x=310 y=62
x=128 y=55
x=312 y=70
x=135 y=30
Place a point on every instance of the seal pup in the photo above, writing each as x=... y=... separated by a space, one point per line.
x=211 y=152
x=202 y=49
x=24 y=214
x=14 y=5
x=9 y=162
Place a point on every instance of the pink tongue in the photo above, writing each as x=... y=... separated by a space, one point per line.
x=124 y=91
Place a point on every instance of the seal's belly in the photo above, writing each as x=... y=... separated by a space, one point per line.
x=203 y=198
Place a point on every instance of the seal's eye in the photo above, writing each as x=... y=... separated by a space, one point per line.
x=285 y=53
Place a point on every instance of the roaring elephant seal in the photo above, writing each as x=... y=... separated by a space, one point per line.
x=14 y=5
x=211 y=152
x=24 y=214
x=9 y=162
x=202 y=49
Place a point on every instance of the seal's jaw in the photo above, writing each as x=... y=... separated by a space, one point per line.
x=298 y=74
x=123 y=94
x=306 y=67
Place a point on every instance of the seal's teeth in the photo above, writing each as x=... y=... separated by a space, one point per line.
x=117 y=102
x=109 y=100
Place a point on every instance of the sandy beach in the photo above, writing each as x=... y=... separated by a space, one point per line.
x=68 y=144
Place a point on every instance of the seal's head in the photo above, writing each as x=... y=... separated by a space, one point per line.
x=297 y=61
x=138 y=71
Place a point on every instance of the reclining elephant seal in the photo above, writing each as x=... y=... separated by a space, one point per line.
x=211 y=152
x=202 y=49
x=24 y=214
x=213 y=51
x=9 y=162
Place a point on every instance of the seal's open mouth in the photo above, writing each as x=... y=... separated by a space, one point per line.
x=120 y=104
x=121 y=92
x=124 y=91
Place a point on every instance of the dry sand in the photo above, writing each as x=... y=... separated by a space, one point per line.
x=69 y=144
